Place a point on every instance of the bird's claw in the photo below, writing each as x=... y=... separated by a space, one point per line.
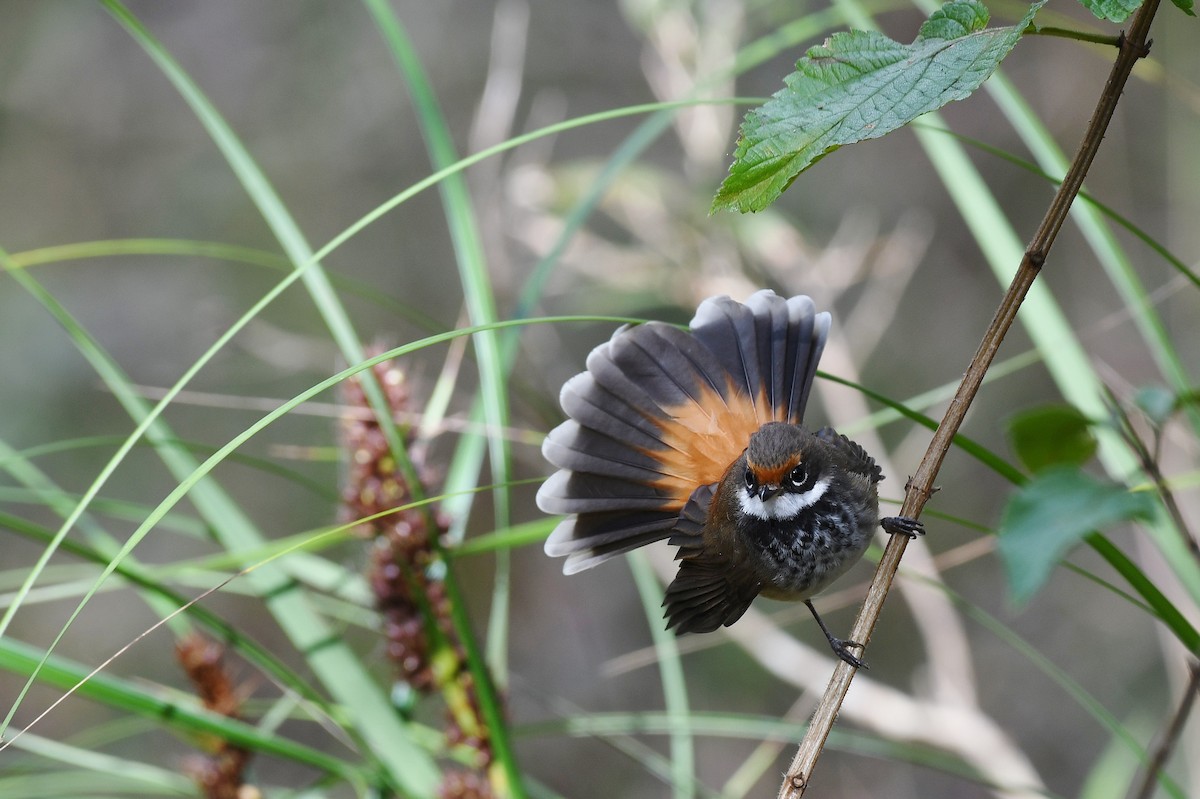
x=842 y=650
x=902 y=525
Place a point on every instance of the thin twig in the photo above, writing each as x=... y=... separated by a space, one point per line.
x=1069 y=33
x=1149 y=460
x=1171 y=734
x=1133 y=46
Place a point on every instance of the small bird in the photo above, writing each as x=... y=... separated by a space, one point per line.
x=696 y=437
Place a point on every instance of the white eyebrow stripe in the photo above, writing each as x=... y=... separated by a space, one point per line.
x=783 y=506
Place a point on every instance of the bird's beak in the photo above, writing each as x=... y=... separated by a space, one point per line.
x=766 y=491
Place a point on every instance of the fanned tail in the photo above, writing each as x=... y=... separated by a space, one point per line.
x=661 y=413
x=777 y=343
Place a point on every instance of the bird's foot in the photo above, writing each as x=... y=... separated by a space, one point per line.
x=842 y=650
x=902 y=525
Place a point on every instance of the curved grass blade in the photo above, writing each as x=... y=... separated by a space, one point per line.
x=683 y=754
x=759 y=728
x=1064 y=680
x=481 y=307
x=1160 y=605
x=139 y=576
x=86 y=772
x=340 y=669
x=214 y=250
x=21 y=658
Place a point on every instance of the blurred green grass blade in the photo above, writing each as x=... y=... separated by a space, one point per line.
x=1068 y=684
x=755 y=728
x=214 y=250
x=968 y=445
x=305 y=262
x=514 y=537
x=38 y=488
x=339 y=668
x=491 y=670
x=464 y=233
x=106 y=248
x=469 y=455
x=410 y=768
x=1107 y=249
x=647 y=132
x=94 y=766
x=251 y=177
x=293 y=477
x=670 y=669
x=512 y=143
x=1145 y=587
x=309 y=541
x=622 y=740
x=327 y=653
x=1114 y=769
x=65 y=784
x=1160 y=605
x=941 y=394
x=106 y=369
x=794 y=32
x=1053 y=336
x=625 y=154
x=1174 y=261
x=21 y=658
x=147 y=580
x=1040 y=314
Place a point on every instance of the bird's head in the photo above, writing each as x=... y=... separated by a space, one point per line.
x=781 y=473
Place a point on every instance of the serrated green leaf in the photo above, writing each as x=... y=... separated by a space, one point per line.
x=1186 y=6
x=1051 y=435
x=1114 y=10
x=1051 y=514
x=861 y=85
x=954 y=20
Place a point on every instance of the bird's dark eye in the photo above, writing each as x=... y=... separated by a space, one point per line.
x=749 y=478
x=798 y=476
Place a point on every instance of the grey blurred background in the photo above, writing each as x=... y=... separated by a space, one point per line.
x=96 y=144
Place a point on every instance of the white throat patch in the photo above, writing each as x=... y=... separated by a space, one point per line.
x=782 y=506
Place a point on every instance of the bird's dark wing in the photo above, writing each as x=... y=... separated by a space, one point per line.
x=661 y=412
x=702 y=598
x=854 y=457
x=689 y=525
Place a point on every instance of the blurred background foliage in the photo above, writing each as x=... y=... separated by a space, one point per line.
x=96 y=145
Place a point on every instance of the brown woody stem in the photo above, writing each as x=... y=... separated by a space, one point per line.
x=1165 y=746
x=1132 y=46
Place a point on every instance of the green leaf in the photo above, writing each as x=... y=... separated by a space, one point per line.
x=1114 y=10
x=1157 y=403
x=1051 y=514
x=1121 y=10
x=1051 y=435
x=860 y=85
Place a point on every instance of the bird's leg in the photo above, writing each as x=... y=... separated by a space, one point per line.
x=840 y=648
x=902 y=525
